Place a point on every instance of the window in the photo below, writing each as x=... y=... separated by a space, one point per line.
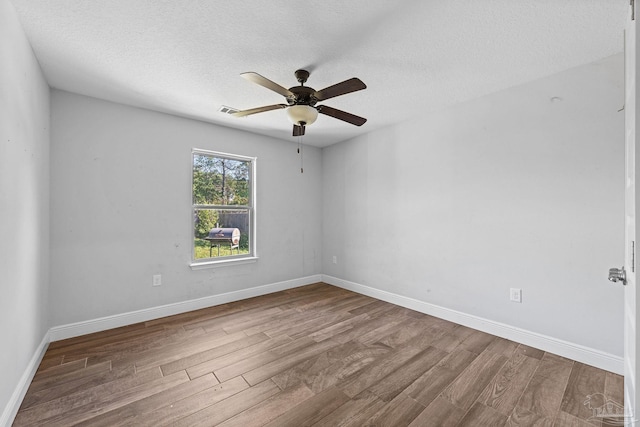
x=223 y=207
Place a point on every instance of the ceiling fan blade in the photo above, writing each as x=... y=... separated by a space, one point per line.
x=244 y=113
x=341 y=115
x=352 y=85
x=263 y=81
x=298 y=130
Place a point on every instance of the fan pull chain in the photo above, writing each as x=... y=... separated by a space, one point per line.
x=300 y=151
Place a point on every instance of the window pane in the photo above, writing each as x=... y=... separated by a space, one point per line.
x=220 y=181
x=215 y=235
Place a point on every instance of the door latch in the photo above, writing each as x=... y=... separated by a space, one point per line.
x=618 y=275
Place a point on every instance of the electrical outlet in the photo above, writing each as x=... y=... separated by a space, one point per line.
x=157 y=280
x=335 y=259
x=516 y=295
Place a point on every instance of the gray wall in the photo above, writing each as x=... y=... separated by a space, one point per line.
x=121 y=209
x=516 y=189
x=24 y=203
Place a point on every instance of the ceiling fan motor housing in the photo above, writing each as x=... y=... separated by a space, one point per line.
x=302 y=95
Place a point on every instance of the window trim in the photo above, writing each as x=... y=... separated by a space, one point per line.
x=251 y=257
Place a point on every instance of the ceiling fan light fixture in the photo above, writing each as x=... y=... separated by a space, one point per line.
x=302 y=114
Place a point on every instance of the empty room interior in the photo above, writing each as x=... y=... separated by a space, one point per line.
x=334 y=214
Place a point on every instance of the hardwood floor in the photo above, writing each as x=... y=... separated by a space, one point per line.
x=311 y=356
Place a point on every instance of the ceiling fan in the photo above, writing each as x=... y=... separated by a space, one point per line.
x=301 y=100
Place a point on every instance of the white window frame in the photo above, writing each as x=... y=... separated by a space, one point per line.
x=251 y=208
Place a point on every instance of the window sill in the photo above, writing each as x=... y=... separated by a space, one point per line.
x=223 y=263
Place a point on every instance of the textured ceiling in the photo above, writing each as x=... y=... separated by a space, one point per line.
x=184 y=57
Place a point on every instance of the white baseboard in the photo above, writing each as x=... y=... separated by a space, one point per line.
x=102 y=324
x=589 y=356
x=13 y=405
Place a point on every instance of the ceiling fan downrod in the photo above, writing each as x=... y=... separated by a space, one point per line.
x=302 y=76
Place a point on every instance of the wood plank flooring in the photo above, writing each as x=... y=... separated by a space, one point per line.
x=311 y=356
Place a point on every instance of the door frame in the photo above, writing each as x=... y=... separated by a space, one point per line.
x=631 y=397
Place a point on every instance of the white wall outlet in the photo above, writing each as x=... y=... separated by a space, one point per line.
x=515 y=295
x=157 y=279
x=335 y=259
